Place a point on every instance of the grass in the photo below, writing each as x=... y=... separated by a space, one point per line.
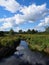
x=8 y=45
x=8 y=40
x=39 y=42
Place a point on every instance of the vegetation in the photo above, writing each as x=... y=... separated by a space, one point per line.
x=8 y=45
x=11 y=32
x=9 y=40
x=47 y=29
x=38 y=42
x=1 y=33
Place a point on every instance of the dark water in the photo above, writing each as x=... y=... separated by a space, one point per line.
x=24 y=56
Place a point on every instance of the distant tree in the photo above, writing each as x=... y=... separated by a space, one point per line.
x=1 y=33
x=36 y=31
x=24 y=32
x=29 y=31
x=11 y=32
x=33 y=31
x=47 y=29
x=20 y=31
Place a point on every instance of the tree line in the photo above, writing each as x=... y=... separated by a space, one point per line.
x=11 y=32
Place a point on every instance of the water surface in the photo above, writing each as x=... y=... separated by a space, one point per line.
x=25 y=55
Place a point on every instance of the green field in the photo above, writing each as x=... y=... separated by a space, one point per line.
x=39 y=42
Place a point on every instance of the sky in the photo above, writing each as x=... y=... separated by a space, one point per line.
x=24 y=14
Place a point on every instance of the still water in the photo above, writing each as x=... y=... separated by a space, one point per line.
x=24 y=56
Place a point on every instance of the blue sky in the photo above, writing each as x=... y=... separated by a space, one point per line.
x=24 y=14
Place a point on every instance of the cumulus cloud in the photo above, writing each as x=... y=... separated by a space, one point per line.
x=16 y=29
x=44 y=22
x=10 y=5
x=34 y=12
x=19 y=18
x=41 y=26
x=30 y=14
x=11 y=22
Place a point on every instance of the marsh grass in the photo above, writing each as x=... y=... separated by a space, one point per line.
x=39 y=42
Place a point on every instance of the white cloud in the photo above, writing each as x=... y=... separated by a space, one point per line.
x=10 y=5
x=41 y=26
x=44 y=22
x=34 y=12
x=16 y=29
x=19 y=18
x=11 y=22
x=30 y=14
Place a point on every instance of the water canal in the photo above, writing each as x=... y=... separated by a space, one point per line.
x=24 y=56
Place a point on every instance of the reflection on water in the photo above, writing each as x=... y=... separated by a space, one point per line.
x=24 y=56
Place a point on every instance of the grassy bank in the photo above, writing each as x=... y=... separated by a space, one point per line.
x=8 y=45
x=39 y=42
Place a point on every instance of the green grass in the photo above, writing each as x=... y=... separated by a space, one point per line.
x=39 y=42
x=8 y=40
x=8 y=45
